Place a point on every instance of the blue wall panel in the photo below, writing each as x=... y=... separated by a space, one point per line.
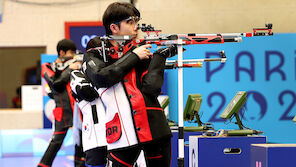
x=265 y=67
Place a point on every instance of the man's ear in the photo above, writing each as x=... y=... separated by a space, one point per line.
x=61 y=53
x=114 y=28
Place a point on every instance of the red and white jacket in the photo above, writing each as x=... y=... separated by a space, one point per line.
x=59 y=83
x=129 y=88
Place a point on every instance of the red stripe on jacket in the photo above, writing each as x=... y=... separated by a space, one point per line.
x=138 y=107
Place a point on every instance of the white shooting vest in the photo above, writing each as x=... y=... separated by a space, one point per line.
x=121 y=129
x=93 y=125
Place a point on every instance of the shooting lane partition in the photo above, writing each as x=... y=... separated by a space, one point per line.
x=265 y=67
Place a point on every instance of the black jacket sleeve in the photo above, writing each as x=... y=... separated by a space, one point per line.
x=105 y=74
x=153 y=80
x=59 y=80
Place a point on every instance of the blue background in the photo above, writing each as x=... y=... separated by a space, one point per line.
x=265 y=67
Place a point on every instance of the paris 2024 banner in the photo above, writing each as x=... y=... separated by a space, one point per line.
x=264 y=67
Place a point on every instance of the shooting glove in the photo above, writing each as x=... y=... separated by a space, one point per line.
x=167 y=52
x=81 y=87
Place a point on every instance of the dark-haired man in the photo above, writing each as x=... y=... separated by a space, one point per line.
x=57 y=75
x=128 y=86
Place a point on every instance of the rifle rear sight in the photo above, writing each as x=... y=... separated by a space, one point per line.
x=146 y=28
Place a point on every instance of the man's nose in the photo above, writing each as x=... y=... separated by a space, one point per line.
x=136 y=27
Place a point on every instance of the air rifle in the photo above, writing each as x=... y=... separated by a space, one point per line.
x=154 y=37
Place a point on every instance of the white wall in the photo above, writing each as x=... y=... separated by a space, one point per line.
x=212 y=16
x=35 y=25
x=31 y=25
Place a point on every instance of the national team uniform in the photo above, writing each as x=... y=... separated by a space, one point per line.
x=94 y=123
x=59 y=83
x=128 y=88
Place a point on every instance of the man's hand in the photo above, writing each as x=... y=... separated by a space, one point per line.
x=169 y=51
x=143 y=52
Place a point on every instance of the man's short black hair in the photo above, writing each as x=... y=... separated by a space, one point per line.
x=117 y=12
x=65 y=45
